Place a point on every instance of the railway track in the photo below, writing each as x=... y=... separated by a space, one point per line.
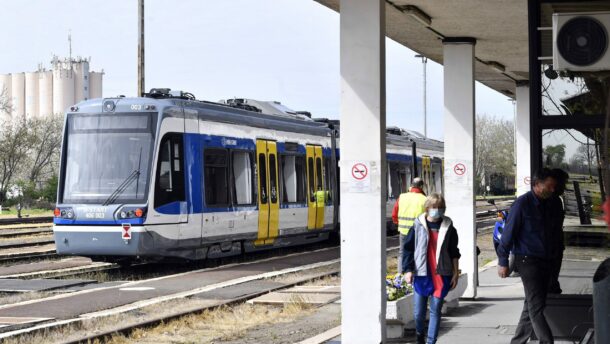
x=239 y=282
x=24 y=220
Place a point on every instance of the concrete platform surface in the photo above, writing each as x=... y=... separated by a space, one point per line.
x=492 y=318
x=43 y=266
x=15 y=285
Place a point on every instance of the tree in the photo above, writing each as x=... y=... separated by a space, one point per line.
x=5 y=104
x=14 y=147
x=45 y=146
x=494 y=148
x=554 y=155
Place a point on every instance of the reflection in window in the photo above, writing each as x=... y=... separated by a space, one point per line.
x=399 y=176
x=293 y=179
x=273 y=178
x=564 y=93
x=577 y=153
x=170 y=176
x=215 y=176
x=312 y=197
x=242 y=178
x=262 y=170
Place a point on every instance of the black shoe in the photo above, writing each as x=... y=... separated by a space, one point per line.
x=420 y=339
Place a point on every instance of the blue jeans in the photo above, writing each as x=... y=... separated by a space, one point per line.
x=419 y=310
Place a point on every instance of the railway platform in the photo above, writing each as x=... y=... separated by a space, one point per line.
x=492 y=317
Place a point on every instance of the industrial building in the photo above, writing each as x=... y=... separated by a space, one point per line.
x=45 y=92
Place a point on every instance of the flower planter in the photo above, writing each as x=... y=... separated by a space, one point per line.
x=399 y=316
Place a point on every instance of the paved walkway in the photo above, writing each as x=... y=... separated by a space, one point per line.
x=493 y=316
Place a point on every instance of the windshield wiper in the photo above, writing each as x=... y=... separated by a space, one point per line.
x=121 y=188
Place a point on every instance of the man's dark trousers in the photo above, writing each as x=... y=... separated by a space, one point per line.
x=535 y=274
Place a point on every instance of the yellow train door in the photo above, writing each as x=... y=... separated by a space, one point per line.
x=317 y=193
x=268 y=192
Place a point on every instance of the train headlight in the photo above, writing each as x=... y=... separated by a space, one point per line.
x=131 y=212
x=64 y=213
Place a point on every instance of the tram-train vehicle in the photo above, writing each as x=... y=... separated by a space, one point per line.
x=166 y=175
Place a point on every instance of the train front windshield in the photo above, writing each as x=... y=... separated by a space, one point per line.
x=107 y=158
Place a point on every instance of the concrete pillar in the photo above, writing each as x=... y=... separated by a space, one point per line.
x=523 y=140
x=363 y=171
x=458 y=61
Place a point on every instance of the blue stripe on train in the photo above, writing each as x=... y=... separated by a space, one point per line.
x=194 y=145
x=77 y=222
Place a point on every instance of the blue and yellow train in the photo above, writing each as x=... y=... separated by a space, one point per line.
x=166 y=175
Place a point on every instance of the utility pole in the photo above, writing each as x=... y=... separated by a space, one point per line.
x=141 y=88
x=424 y=61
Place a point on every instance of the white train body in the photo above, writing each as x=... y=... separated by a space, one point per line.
x=150 y=178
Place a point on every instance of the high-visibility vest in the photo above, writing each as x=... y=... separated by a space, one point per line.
x=321 y=198
x=410 y=206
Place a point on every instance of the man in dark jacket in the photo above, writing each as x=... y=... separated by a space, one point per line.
x=532 y=221
x=557 y=245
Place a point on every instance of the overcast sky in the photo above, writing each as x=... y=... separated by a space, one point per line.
x=285 y=50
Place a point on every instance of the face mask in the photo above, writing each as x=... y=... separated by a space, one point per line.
x=435 y=213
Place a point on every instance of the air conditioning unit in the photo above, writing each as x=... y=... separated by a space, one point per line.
x=580 y=41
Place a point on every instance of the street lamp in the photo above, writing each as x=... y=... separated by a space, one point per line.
x=424 y=61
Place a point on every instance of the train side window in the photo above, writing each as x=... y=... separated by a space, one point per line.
x=327 y=169
x=262 y=169
x=294 y=187
x=170 y=176
x=394 y=182
x=311 y=176
x=242 y=178
x=216 y=174
x=273 y=178
x=289 y=178
x=319 y=173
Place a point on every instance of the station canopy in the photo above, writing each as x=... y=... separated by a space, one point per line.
x=500 y=28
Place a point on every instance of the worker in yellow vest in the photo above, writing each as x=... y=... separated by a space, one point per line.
x=407 y=208
x=321 y=197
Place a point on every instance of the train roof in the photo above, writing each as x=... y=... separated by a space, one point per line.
x=263 y=114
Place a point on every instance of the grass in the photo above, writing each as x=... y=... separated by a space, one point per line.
x=25 y=212
x=223 y=323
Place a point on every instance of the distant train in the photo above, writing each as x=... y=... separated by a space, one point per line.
x=166 y=175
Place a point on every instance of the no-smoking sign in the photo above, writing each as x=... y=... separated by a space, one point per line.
x=459 y=169
x=358 y=176
x=359 y=171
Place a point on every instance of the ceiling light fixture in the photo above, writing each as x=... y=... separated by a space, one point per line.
x=417 y=14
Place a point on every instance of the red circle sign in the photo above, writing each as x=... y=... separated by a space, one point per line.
x=359 y=171
x=527 y=180
x=459 y=169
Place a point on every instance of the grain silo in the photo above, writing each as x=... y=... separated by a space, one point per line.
x=63 y=85
x=81 y=79
x=31 y=94
x=5 y=90
x=95 y=84
x=45 y=93
x=18 y=94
